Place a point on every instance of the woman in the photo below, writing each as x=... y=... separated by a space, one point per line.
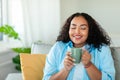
x=80 y=30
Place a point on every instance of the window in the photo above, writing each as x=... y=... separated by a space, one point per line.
x=11 y=14
x=1 y=19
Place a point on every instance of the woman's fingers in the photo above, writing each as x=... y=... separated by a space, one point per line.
x=86 y=57
x=68 y=62
x=68 y=56
x=68 y=53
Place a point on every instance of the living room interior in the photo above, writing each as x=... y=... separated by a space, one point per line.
x=38 y=23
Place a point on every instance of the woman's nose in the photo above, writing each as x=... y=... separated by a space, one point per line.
x=77 y=30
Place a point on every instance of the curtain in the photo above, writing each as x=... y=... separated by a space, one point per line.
x=40 y=18
x=35 y=20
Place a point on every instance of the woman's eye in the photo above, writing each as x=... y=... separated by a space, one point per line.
x=83 y=27
x=72 y=27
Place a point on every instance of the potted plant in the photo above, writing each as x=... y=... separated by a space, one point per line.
x=11 y=33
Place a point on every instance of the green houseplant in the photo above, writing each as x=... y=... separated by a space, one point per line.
x=11 y=33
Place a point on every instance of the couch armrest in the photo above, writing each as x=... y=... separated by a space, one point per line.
x=38 y=47
x=116 y=57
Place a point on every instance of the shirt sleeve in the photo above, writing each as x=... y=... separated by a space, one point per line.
x=50 y=65
x=107 y=64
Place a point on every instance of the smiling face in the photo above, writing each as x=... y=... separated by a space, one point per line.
x=78 y=31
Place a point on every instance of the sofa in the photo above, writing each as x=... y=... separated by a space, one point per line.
x=40 y=50
x=37 y=49
x=116 y=57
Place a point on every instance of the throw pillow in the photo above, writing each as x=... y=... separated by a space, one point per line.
x=32 y=66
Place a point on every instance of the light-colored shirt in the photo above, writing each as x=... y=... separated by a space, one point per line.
x=78 y=71
x=101 y=58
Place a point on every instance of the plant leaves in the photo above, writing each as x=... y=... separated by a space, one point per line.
x=22 y=50
x=8 y=30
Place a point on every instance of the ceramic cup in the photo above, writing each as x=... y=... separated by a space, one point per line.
x=76 y=53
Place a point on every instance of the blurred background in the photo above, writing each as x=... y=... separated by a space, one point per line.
x=41 y=20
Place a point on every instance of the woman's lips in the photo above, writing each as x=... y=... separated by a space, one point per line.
x=77 y=37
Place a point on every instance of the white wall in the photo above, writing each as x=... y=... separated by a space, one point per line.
x=106 y=12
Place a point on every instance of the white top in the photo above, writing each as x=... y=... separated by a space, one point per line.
x=78 y=71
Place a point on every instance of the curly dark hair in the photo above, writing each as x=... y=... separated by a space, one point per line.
x=96 y=35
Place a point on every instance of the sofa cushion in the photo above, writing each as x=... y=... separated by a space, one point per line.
x=116 y=56
x=32 y=66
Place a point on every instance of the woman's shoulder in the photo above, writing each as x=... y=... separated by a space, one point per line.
x=105 y=50
x=101 y=48
x=104 y=47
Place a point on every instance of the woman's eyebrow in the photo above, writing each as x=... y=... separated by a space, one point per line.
x=73 y=24
x=83 y=25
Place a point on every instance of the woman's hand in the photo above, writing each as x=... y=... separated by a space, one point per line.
x=68 y=62
x=86 y=57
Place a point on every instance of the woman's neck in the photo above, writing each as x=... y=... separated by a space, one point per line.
x=79 y=45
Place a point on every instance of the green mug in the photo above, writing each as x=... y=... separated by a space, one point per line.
x=76 y=53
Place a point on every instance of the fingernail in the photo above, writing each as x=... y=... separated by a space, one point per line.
x=66 y=57
x=74 y=64
x=74 y=60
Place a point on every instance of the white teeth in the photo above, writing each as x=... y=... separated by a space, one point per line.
x=77 y=36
